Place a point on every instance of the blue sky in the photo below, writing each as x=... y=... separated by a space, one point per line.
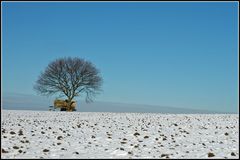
x=168 y=54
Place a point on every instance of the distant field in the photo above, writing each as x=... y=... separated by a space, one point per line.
x=15 y=101
x=45 y=134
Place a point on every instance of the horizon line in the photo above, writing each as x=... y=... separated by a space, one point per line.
x=125 y=103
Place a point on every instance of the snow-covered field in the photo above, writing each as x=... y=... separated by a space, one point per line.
x=45 y=134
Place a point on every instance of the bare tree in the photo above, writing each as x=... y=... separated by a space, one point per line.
x=69 y=77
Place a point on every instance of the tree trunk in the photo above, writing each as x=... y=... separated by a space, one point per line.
x=69 y=107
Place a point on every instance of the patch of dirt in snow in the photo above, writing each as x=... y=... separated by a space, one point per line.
x=45 y=134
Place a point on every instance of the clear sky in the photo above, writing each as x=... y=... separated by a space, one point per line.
x=168 y=54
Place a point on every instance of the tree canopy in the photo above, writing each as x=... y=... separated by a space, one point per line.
x=70 y=77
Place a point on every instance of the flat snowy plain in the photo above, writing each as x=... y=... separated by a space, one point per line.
x=49 y=134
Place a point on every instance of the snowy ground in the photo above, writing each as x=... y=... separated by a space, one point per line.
x=45 y=134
